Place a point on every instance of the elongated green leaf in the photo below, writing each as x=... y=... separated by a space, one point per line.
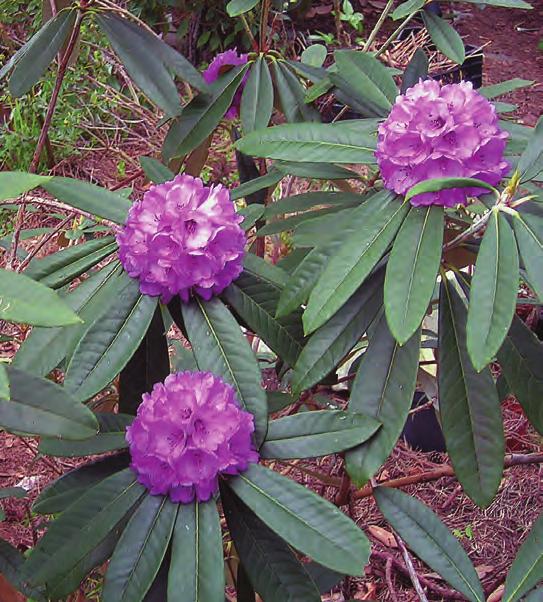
x=291 y=95
x=291 y=222
x=383 y=389
x=143 y=65
x=250 y=187
x=260 y=268
x=356 y=258
x=40 y=407
x=345 y=142
x=257 y=98
x=437 y=184
x=445 y=37
x=328 y=345
x=111 y=436
x=317 y=171
x=11 y=563
x=306 y=521
x=202 y=115
x=15 y=183
x=527 y=568
x=430 y=539
x=412 y=270
x=45 y=348
x=156 y=171
x=406 y=8
x=251 y=214
x=316 y=434
x=4 y=382
x=82 y=527
x=63 y=492
x=196 y=568
x=416 y=70
x=531 y=161
x=521 y=360
x=308 y=200
x=504 y=87
x=530 y=245
x=91 y=198
x=220 y=347
x=28 y=302
x=469 y=406
x=278 y=400
x=59 y=268
x=504 y=3
x=277 y=575
x=255 y=301
x=140 y=551
x=366 y=80
x=493 y=291
x=237 y=7
x=110 y=342
x=36 y=55
x=16 y=492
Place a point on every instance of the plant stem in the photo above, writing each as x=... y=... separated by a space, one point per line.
x=249 y=33
x=412 y=573
x=473 y=229
x=63 y=66
x=337 y=19
x=378 y=25
x=264 y=16
x=395 y=34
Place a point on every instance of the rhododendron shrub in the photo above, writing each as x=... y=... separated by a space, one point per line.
x=207 y=335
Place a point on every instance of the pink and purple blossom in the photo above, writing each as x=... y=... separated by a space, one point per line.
x=222 y=63
x=188 y=431
x=182 y=238
x=436 y=131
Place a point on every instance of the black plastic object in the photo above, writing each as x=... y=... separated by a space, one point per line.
x=422 y=430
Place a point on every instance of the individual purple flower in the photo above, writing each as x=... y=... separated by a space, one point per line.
x=436 y=131
x=188 y=431
x=183 y=237
x=222 y=63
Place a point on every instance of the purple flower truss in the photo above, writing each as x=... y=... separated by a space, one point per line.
x=219 y=65
x=183 y=237
x=188 y=431
x=436 y=131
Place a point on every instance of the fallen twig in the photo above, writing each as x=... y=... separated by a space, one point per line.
x=411 y=569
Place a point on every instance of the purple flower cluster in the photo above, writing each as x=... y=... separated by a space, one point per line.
x=182 y=237
x=436 y=131
x=189 y=430
x=222 y=63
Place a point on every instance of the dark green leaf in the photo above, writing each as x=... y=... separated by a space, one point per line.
x=4 y=382
x=11 y=563
x=345 y=142
x=469 y=406
x=220 y=347
x=347 y=269
x=45 y=348
x=530 y=245
x=493 y=291
x=291 y=222
x=202 y=115
x=437 y=184
x=412 y=270
x=264 y=270
x=504 y=3
x=527 y=568
x=316 y=434
x=445 y=37
x=308 y=200
x=155 y=170
x=317 y=171
x=251 y=214
x=63 y=492
x=406 y=8
x=521 y=360
x=257 y=99
x=41 y=407
x=141 y=61
x=416 y=70
x=338 y=336
x=15 y=183
x=305 y=520
x=263 y=182
x=140 y=551
x=504 y=87
x=277 y=575
x=59 y=268
x=531 y=161
x=37 y=54
x=430 y=539
x=82 y=527
x=244 y=589
x=255 y=301
x=366 y=80
x=91 y=198
x=196 y=568
x=383 y=389
x=110 y=342
x=25 y=301
x=277 y=400
x=235 y=8
x=111 y=436
x=291 y=95
x=16 y=492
